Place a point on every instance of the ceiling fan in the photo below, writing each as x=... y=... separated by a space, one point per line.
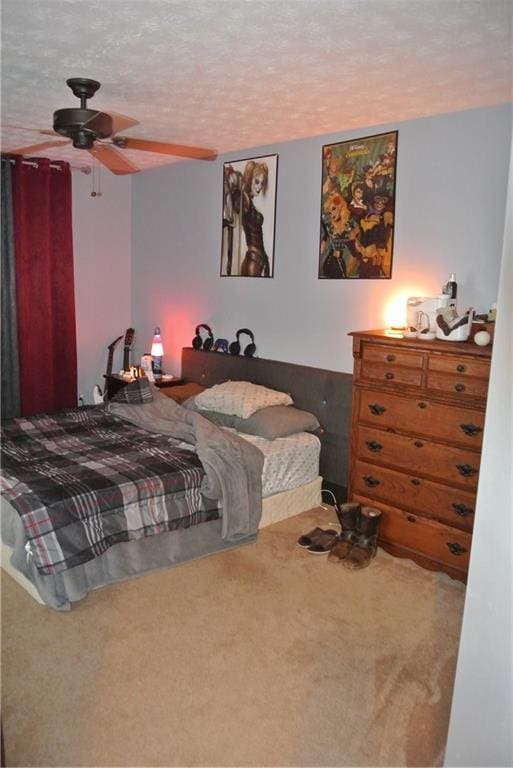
x=96 y=133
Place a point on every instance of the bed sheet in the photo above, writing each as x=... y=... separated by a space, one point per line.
x=288 y=461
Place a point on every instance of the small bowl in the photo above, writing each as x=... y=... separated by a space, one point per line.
x=429 y=336
x=458 y=334
x=409 y=334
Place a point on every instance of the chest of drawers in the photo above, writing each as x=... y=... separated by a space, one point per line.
x=417 y=427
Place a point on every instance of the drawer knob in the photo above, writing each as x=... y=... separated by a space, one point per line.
x=418 y=444
x=471 y=429
x=415 y=481
x=461 y=368
x=373 y=446
x=411 y=519
x=390 y=358
x=462 y=510
x=370 y=482
x=377 y=409
x=459 y=387
x=455 y=548
x=389 y=375
x=422 y=405
x=466 y=470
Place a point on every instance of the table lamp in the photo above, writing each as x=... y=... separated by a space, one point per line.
x=157 y=351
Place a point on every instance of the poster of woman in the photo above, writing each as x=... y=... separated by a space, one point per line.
x=358 y=208
x=249 y=206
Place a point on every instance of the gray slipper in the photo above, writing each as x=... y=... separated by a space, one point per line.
x=309 y=538
x=323 y=543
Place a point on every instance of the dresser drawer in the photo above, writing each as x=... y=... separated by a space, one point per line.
x=458 y=385
x=408 y=491
x=392 y=374
x=374 y=353
x=416 y=456
x=460 y=365
x=426 y=537
x=421 y=416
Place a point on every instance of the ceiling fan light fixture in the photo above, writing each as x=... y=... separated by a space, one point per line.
x=83 y=139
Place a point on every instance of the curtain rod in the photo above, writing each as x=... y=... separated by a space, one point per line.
x=81 y=168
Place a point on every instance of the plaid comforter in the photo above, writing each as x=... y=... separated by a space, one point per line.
x=82 y=480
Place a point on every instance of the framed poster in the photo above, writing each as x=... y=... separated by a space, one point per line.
x=249 y=207
x=358 y=208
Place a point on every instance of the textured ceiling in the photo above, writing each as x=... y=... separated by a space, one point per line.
x=235 y=74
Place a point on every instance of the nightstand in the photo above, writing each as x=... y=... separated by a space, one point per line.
x=114 y=382
x=164 y=383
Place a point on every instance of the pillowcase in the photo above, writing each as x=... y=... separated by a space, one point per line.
x=136 y=392
x=277 y=421
x=271 y=423
x=240 y=398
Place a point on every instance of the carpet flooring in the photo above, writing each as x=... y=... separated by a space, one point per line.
x=262 y=656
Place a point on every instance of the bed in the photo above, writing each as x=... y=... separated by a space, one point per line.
x=323 y=393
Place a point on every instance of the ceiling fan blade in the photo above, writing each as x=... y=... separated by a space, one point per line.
x=113 y=160
x=121 y=122
x=30 y=128
x=164 y=148
x=37 y=147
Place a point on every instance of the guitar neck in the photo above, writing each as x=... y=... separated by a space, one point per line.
x=109 y=361
x=129 y=337
x=110 y=358
x=126 y=357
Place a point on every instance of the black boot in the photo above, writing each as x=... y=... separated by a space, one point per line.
x=348 y=517
x=366 y=544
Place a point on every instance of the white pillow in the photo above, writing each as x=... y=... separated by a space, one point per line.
x=240 y=398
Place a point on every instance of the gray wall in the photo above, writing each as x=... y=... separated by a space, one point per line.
x=451 y=186
x=102 y=258
x=452 y=176
x=481 y=725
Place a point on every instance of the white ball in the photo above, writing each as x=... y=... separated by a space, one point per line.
x=482 y=338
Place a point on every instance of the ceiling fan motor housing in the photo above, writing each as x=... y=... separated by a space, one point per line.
x=83 y=126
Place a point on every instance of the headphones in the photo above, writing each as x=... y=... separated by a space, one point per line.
x=221 y=345
x=198 y=342
x=250 y=350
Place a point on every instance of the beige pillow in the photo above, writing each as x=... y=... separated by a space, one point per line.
x=240 y=398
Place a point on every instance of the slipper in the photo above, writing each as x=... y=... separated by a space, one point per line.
x=323 y=543
x=309 y=538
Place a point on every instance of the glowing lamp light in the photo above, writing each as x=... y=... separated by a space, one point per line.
x=395 y=314
x=157 y=351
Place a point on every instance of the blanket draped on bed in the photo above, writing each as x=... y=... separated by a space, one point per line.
x=233 y=466
x=84 y=479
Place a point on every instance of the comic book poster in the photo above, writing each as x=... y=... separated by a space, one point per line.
x=358 y=208
x=249 y=205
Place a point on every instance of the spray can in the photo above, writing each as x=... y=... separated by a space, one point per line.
x=450 y=289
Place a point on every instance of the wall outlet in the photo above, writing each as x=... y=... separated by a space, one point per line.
x=81 y=400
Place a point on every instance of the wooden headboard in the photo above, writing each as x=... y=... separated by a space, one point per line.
x=327 y=394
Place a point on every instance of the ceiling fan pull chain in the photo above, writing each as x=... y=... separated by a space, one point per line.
x=96 y=181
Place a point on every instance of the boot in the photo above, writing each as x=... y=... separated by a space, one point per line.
x=348 y=517
x=365 y=546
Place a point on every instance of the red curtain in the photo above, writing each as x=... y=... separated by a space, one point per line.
x=45 y=291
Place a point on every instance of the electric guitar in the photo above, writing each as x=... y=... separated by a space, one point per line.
x=129 y=337
x=111 y=349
